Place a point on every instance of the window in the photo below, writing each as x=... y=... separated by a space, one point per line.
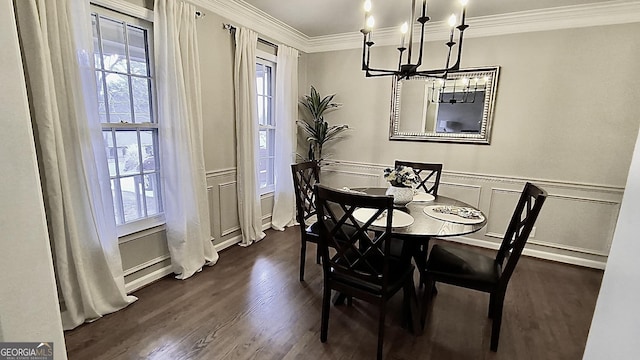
x=124 y=78
x=265 y=87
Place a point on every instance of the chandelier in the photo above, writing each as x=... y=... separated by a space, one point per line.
x=410 y=67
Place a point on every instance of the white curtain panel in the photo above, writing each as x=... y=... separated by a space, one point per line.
x=56 y=48
x=286 y=111
x=180 y=132
x=244 y=83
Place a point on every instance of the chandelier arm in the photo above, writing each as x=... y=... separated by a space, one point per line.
x=364 y=50
x=413 y=15
x=401 y=50
x=421 y=45
x=423 y=20
x=456 y=66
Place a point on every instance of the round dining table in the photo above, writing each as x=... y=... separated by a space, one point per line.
x=427 y=226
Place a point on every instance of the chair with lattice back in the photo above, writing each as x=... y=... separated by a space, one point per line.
x=359 y=264
x=428 y=175
x=459 y=266
x=305 y=176
x=428 y=181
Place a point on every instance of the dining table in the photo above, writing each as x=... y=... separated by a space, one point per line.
x=425 y=224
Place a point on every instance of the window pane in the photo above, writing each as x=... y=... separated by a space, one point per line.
x=96 y=46
x=137 y=50
x=263 y=143
x=261 y=118
x=116 y=201
x=141 y=104
x=268 y=110
x=111 y=151
x=272 y=142
x=260 y=79
x=102 y=109
x=152 y=193
x=132 y=197
x=148 y=150
x=113 y=45
x=263 y=173
x=268 y=80
x=128 y=154
x=118 y=97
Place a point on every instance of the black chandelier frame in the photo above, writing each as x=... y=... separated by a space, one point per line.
x=409 y=69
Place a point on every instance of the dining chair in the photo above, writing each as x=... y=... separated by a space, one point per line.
x=305 y=176
x=428 y=180
x=428 y=175
x=359 y=264
x=465 y=268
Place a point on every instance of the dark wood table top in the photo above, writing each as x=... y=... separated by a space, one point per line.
x=425 y=225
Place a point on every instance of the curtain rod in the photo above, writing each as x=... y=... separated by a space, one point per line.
x=232 y=28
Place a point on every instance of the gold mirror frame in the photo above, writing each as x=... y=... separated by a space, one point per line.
x=483 y=111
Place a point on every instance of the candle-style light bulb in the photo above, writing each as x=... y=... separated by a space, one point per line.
x=403 y=30
x=370 y=22
x=367 y=6
x=452 y=20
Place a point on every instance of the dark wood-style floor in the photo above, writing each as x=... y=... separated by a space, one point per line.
x=252 y=306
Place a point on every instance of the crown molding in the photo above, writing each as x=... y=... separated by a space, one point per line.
x=241 y=13
x=566 y=17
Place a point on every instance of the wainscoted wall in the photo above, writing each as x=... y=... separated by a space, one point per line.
x=145 y=255
x=576 y=224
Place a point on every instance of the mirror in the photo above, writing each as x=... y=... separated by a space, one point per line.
x=456 y=109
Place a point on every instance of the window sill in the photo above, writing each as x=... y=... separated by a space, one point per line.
x=134 y=229
x=267 y=193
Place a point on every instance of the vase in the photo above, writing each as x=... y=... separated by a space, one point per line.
x=401 y=195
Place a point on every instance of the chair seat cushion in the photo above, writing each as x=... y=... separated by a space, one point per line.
x=458 y=266
x=398 y=273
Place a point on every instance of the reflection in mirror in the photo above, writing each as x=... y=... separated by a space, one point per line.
x=458 y=108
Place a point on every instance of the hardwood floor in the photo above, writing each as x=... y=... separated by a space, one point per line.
x=251 y=306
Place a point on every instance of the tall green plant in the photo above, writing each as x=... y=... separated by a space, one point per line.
x=318 y=131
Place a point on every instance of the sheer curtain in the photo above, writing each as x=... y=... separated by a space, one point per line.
x=244 y=83
x=284 y=203
x=56 y=41
x=181 y=150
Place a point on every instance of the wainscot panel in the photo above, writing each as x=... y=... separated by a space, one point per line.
x=575 y=226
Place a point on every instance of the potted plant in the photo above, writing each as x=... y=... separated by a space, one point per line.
x=318 y=131
x=401 y=180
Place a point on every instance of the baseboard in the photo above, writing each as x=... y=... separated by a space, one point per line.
x=160 y=273
x=533 y=253
x=227 y=243
x=147 y=279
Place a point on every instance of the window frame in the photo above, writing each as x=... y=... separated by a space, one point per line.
x=266 y=59
x=142 y=22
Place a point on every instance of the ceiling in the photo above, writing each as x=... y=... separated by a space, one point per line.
x=329 y=17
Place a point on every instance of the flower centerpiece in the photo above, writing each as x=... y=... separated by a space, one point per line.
x=402 y=179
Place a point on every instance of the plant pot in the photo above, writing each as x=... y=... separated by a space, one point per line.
x=401 y=195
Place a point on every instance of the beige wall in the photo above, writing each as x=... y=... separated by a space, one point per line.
x=564 y=107
x=564 y=117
